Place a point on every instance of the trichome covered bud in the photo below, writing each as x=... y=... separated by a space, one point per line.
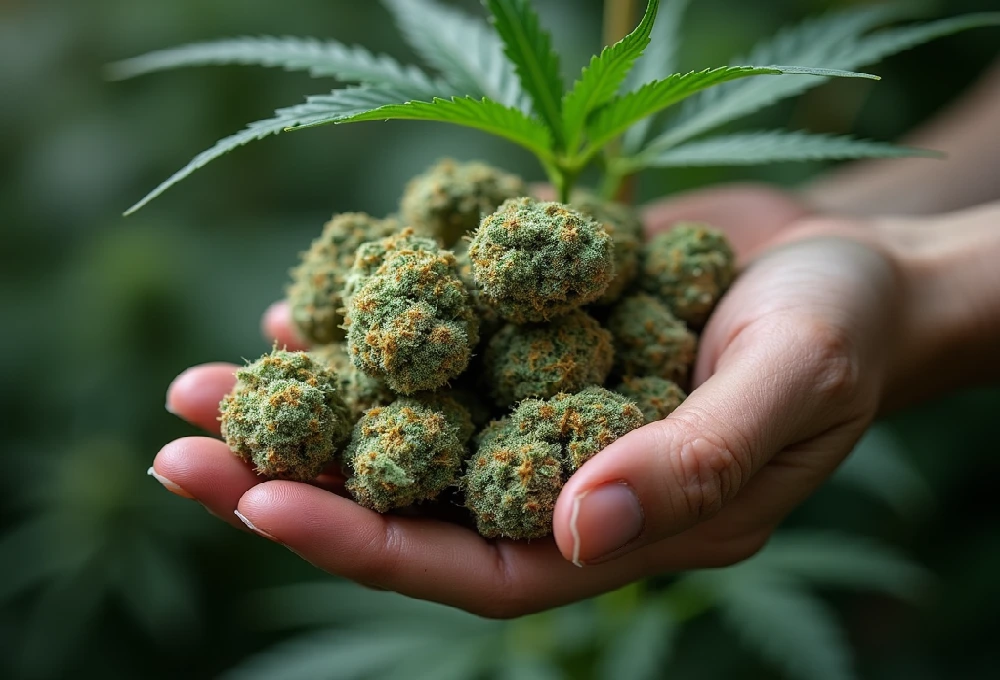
x=656 y=398
x=451 y=198
x=541 y=360
x=402 y=453
x=649 y=340
x=286 y=416
x=512 y=482
x=318 y=281
x=689 y=268
x=536 y=261
x=359 y=390
x=582 y=423
x=410 y=318
x=625 y=228
x=511 y=487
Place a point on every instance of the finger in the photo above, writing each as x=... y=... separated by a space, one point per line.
x=774 y=386
x=277 y=325
x=206 y=470
x=425 y=558
x=195 y=394
x=749 y=214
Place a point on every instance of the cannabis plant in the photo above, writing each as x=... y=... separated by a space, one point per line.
x=505 y=80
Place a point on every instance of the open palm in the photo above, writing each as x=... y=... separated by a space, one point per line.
x=790 y=373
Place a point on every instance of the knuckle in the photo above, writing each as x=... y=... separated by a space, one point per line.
x=386 y=549
x=708 y=468
x=831 y=359
x=503 y=599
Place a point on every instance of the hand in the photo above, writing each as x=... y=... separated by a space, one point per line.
x=791 y=371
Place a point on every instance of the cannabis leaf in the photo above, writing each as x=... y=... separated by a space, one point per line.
x=529 y=47
x=656 y=63
x=319 y=58
x=600 y=80
x=481 y=114
x=836 y=41
x=880 y=467
x=469 y=55
x=622 y=112
x=789 y=626
x=753 y=148
x=320 y=108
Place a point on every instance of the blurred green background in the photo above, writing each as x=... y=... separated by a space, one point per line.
x=104 y=574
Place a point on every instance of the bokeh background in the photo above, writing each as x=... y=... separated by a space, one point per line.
x=104 y=574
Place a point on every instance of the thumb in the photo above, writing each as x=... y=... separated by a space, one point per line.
x=771 y=388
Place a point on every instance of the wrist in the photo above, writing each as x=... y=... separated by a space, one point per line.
x=949 y=325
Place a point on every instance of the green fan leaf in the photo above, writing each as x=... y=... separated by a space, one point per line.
x=600 y=80
x=481 y=114
x=641 y=647
x=835 y=41
x=656 y=63
x=788 y=626
x=622 y=112
x=321 y=108
x=334 y=654
x=529 y=47
x=879 y=466
x=831 y=559
x=755 y=148
x=463 y=48
x=318 y=57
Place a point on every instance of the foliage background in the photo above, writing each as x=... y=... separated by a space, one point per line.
x=104 y=574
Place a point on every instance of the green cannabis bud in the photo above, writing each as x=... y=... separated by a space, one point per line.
x=582 y=423
x=536 y=261
x=624 y=226
x=512 y=482
x=402 y=453
x=656 y=398
x=359 y=390
x=541 y=360
x=318 y=281
x=451 y=198
x=649 y=340
x=689 y=268
x=373 y=254
x=511 y=487
x=285 y=416
x=410 y=319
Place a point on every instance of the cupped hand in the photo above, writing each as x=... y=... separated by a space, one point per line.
x=791 y=371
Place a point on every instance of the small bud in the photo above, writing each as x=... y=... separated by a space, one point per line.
x=285 y=416
x=656 y=398
x=649 y=340
x=451 y=198
x=537 y=261
x=689 y=268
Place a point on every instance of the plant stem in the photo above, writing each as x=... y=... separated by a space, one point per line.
x=619 y=20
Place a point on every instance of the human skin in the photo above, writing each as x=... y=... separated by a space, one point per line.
x=832 y=321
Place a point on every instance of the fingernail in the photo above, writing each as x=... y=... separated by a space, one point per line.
x=251 y=527
x=604 y=520
x=170 y=388
x=169 y=410
x=168 y=485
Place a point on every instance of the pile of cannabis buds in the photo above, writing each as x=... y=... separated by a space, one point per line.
x=487 y=373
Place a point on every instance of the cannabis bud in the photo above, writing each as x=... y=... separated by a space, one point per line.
x=541 y=360
x=689 y=268
x=649 y=340
x=359 y=390
x=656 y=398
x=451 y=198
x=285 y=416
x=318 y=281
x=625 y=229
x=536 y=261
x=405 y=452
x=410 y=319
x=512 y=482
